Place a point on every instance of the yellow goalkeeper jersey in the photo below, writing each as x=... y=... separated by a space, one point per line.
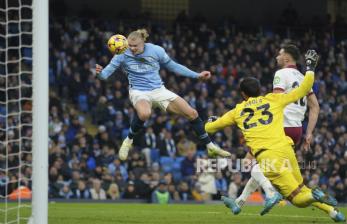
x=261 y=118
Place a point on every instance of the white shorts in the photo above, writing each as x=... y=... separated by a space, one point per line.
x=160 y=97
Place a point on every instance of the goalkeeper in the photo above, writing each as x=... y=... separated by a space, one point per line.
x=260 y=119
x=142 y=63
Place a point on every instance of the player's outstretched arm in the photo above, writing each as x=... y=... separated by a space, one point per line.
x=98 y=69
x=204 y=75
x=215 y=124
x=104 y=73
x=311 y=59
x=180 y=69
x=177 y=68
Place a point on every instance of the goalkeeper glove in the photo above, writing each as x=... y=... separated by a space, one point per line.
x=311 y=60
x=212 y=118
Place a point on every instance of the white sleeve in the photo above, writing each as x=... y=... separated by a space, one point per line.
x=279 y=81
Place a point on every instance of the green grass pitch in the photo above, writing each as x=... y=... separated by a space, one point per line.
x=107 y=213
x=63 y=213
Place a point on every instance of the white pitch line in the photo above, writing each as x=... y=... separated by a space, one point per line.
x=286 y=216
x=257 y=214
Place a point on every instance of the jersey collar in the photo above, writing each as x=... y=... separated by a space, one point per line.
x=292 y=66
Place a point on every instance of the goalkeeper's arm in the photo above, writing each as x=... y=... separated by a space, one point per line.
x=311 y=58
x=226 y=120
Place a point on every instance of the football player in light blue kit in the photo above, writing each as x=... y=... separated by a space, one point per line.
x=142 y=62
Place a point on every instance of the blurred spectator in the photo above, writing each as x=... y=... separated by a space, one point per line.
x=196 y=192
x=113 y=192
x=96 y=191
x=117 y=166
x=142 y=186
x=221 y=185
x=185 y=145
x=82 y=192
x=167 y=145
x=137 y=164
x=130 y=191
x=66 y=192
x=184 y=191
x=149 y=145
x=174 y=195
x=188 y=164
x=161 y=194
x=206 y=181
x=235 y=185
x=120 y=181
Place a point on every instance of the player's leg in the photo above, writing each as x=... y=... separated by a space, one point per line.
x=262 y=181
x=273 y=164
x=181 y=107
x=143 y=113
x=272 y=196
x=235 y=205
x=282 y=177
x=252 y=184
x=143 y=110
x=305 y=195
x=288 y=186
x=257 y=179
x=335 y=214
x=330 y=210
x=318 y=194
x=296 y=134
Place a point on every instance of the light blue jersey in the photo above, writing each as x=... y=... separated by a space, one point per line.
x=143 y=69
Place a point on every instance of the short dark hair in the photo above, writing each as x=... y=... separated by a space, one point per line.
x=292 y=50
x=250 y=86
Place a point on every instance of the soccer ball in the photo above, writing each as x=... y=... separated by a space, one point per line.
x=117 y=44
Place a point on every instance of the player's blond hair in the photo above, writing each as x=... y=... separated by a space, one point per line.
x=140 y=33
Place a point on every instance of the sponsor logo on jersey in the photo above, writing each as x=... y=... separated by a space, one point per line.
x=277 y=80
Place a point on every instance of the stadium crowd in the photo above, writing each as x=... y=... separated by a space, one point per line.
x=89 y=117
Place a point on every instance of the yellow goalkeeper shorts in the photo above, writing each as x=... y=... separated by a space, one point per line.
x=281 y=167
